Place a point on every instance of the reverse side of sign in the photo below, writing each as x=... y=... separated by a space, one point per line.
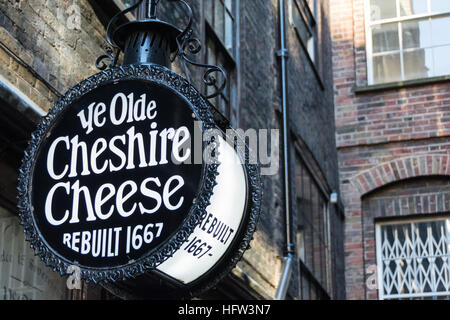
x=211 y=239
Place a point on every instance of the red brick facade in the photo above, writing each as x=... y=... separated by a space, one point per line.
x=384 y=137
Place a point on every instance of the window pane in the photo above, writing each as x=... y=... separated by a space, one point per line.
x=385 y=37
x=300 y=25
x=224 y=106
x=307 y=12
x=382 y=9
x=325 y=252
x=221 y=59
x=232 y=92
x=309 y=249
x=321 y=247
x=316 y=231
x=305 y=25
x=307 y=217
x=211 y=60
x=313 y=7
x=300 y=245
x=307 y=196
x=211 y=52
x=313 y=292
x=228 y=5
x=440 y=6
x=228 y=33
x=215 y=55
x=220 y=15
x=441 y=60
x=416 y=34
x=301 y=211
x=387 y=68
x=324 y=267
x=312 y=241
x=418 y=64
x=219 y=19
x=440 y=30
x=222 y=63
x=305 y=288
x=310 y=48
x=209 y=10
x=411 y=7
x=414 y=259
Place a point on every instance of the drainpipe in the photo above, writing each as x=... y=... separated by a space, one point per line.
x=290 y=251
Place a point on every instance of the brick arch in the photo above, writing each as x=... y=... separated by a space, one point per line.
x=400 y=169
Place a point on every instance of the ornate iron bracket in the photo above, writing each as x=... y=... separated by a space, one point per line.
x=111 y=55
x=113 y=50
x=185 y=41
x=188 y=44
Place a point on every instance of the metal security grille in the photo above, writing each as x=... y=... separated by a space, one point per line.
x=414 y=259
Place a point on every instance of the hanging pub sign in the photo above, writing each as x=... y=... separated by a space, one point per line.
x=115 y=182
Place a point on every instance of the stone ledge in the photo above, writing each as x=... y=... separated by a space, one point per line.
x=399 y=84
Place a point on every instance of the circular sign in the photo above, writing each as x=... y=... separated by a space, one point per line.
x=108 y=182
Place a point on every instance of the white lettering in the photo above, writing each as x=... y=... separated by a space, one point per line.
x=151 y=194
x=167 y=193
x=49 y=201
x=51 y=158
x=97 y=152
x=178 y=143
x=112 y=109
x=121 y=198
x=100 y=201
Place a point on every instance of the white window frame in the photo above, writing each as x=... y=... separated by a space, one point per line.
x=380 y=263
x=369 y=24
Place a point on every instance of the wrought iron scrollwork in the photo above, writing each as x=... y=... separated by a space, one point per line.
x=188 y=44
x=113 y=50
x=111 y=55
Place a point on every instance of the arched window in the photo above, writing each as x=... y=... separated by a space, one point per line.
x=407 y=237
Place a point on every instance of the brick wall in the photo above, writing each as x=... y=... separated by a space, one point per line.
x=310 y=99
x=259 y=99
x=382 y=136
x=45 y=48
x=50 y=48
x=311 y=107
x=42 y=55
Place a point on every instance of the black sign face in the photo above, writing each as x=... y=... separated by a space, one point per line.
x=110 y=182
